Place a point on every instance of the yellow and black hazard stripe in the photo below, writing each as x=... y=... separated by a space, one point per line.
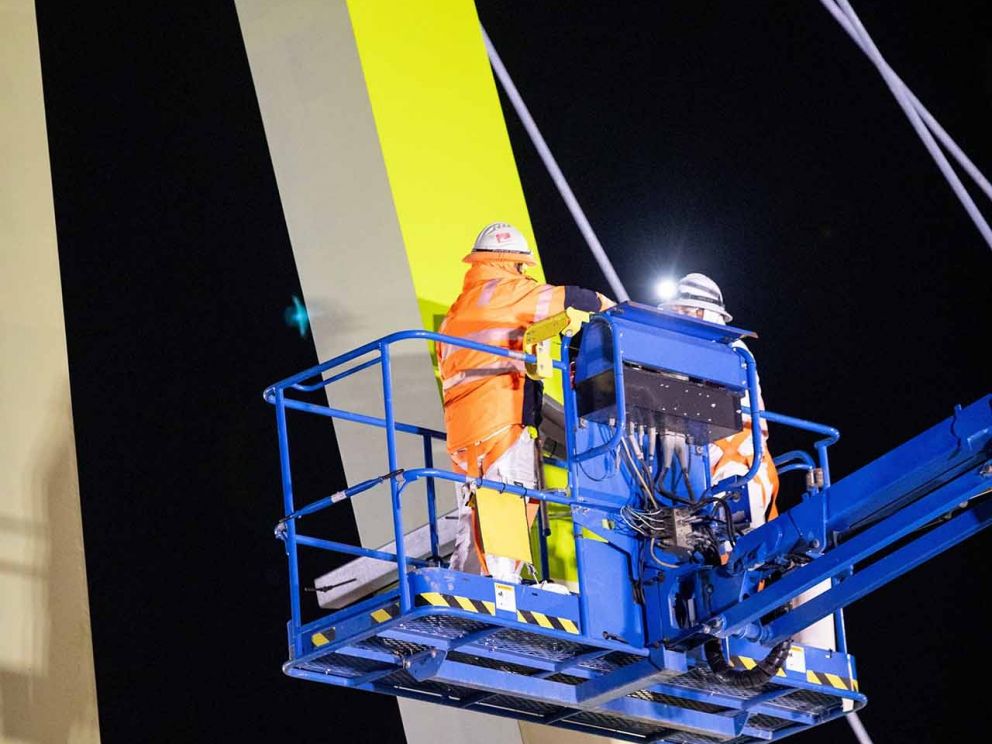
x=385 y=613
x=548 y=621
x=831 y=680
x=323 y=637
x=748 y=663
x=479 y=607
x=824 y=679
x=482 y=607
x=436 y=599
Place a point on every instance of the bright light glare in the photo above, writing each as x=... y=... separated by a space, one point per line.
x=666 y=289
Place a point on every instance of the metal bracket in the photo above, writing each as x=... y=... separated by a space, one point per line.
x=537 y=339
x=660 y=665
x=425 y=665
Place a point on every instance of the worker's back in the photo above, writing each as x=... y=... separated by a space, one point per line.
x=488 y=399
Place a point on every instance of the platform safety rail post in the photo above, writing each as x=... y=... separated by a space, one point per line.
x=543 y=527
x=735 y=482
x=832 y=436
x=394 y=487
x=571 y=424
x=840 y=631
x=290 y=534
x=431 y=498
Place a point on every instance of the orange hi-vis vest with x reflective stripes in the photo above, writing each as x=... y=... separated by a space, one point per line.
x=733 y=455
x=488 y=400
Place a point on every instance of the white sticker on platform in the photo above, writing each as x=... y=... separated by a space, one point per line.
x=506 y=598
x=796 y=660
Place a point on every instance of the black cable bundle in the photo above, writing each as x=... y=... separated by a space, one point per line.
x=761 y=674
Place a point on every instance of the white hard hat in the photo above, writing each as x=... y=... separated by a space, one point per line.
x=698 y=290
x=501 y=242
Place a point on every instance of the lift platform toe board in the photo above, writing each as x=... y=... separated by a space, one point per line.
x=468 y=644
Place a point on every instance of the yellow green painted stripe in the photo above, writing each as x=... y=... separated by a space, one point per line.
x=444 y=141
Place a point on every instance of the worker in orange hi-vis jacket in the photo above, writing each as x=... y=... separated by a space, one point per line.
x=491 y=408
x=699 y=296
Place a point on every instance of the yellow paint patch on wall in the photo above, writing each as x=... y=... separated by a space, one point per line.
x=443 y=137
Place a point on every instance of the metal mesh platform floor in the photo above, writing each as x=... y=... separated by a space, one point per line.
x=513 y=671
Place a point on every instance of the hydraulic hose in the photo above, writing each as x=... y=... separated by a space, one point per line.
x=761 y=674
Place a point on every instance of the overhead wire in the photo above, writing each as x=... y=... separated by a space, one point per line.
x=860 y=732
x=555 y=172
x=935 y=127
x=922 y=121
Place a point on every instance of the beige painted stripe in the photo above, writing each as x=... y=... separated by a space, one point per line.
x=47 y=682
x=352 y=263
x=342 y=224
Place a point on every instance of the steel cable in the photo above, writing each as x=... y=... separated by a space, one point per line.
x=844 y=14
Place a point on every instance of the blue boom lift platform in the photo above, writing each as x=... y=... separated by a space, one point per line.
x=682 y=624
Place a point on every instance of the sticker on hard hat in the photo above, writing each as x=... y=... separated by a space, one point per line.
x=500 y=237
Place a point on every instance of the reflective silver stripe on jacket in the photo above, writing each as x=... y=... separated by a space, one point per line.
x=544 y=296
x=486 y=296
x=509 y=366
x=491 y=336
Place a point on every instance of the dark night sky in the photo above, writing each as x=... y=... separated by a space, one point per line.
x=754 y=142
x=751 y=141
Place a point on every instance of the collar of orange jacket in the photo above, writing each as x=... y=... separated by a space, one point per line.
x=484 y=272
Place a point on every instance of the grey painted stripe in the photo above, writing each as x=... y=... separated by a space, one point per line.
x=47 y=680
x=351 y=260
x=346 y=239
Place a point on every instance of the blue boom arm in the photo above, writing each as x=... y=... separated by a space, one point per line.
x=938 y=475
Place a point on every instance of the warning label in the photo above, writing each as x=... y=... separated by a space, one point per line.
x=796 y=660
x=506 y=598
